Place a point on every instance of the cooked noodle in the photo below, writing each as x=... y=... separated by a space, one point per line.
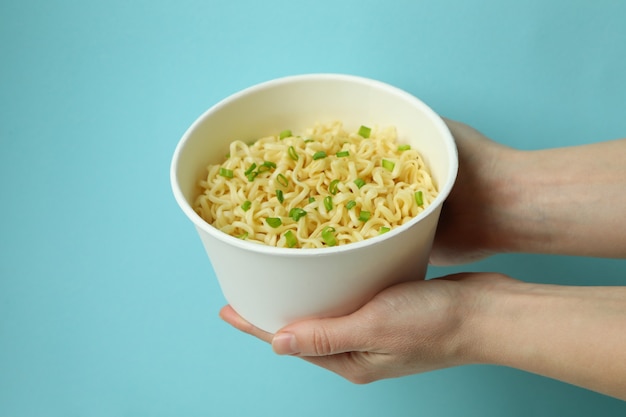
x=316 y=189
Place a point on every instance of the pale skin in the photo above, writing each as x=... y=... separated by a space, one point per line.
x=558 y=201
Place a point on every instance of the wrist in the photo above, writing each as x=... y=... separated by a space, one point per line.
x=559 y=201
x=516 y=223
x=479 y=301
x=486 y=309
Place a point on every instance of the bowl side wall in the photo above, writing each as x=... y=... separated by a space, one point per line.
x=271 y=292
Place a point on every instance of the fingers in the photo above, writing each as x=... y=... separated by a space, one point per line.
x=322 y=337
x=340 y=345
x=316 y=337
x=355 y=366
x=231 y=317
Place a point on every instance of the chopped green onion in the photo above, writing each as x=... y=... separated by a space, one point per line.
x=388 y=165
x=364 y=216
x=227 y=173
x=328 y=235
x=249 y=170
x=266 y=166
x=342 y=154
x=383 y=229
x=292 y=153
x=290 y=239
x=285 y=134
x=282 y=180
x=319 y=155
x=350 y=204
x=297 y=213
x=419 y=198
x=243 y=236
x=274 y=222
x=309 y=140
x=359 y=182
x=279 y=195
x=246 y=205
x=404 y=147
x=252 y=175
x=311 y=200
x=332 y=187
x=328 y=202
x=365 y=131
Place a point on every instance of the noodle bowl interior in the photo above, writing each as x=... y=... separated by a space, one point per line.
x=320 y=187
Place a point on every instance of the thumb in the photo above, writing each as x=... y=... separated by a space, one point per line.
x=320 y=337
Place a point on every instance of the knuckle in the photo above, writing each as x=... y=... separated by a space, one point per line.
x=322 y=344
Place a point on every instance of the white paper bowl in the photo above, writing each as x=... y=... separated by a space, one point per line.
x=271 y=287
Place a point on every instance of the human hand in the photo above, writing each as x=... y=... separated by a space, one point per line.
x=473 y=213
x=541 y=201
x=472 y=318
x=406 y=329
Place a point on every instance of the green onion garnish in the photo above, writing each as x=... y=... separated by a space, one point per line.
x=365 y=131
x=328 y=235
x=364 y=216
x=243 y=236
x=404 y=147
x=282 y=180
x=328 y=202
x=266 y=166
x=359 y=182
x=309 y=140
x=297 y=213
x=246 y=205
x=252 y=175
x=388 y=165
x=311 y=200
x=319 y=155
x=227 y=173
x=350 y=204
x=342 y=154
x=419 y=198
x=274 y=222
x=332 y=187
x=292 y=153
x=279 y=195
x=290 y=238
x=285 y=134
x=383 y=229
x=249 y=170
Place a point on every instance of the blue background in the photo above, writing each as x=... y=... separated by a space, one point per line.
x=108 y=304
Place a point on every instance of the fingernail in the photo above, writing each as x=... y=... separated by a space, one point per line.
x=285 y=344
